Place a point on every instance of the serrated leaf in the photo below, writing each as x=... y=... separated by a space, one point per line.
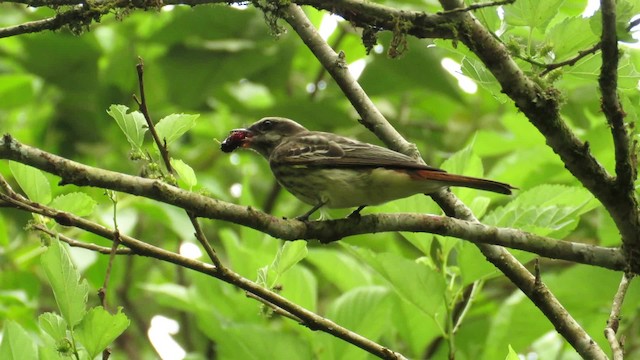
x=532 y=13
x=77 y=203
x=173 y=126
x=16 y=343
x=69 y=291
x=54 y=325
x=548 y=210
x=133 y=124
x=98 y=329
x=185 y=172
x=570 y=36
x=32 y=181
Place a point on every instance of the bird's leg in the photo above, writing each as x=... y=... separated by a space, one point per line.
x=356 y=213
x=305 y=216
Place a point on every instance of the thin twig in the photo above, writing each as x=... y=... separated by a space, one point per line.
x=161 y=144
x=81 y=244
x=572 y=61
x=614 y=318
x=162 y=147
x=102 y=292
x=474 y=7
x=204 y=242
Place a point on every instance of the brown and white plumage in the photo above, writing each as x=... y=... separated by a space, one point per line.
x=345 y=172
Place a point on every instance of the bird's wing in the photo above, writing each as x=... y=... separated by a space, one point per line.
x=329 y=150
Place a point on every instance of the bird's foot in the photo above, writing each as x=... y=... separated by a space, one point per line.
x=356 y=213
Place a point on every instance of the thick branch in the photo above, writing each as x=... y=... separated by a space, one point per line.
x=326 y=231
x=542 y=108
x=611 y=106
x=627 y=204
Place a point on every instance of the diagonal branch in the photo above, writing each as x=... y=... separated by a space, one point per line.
x=306 y=318
x=499 y=256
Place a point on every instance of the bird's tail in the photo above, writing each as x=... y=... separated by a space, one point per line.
x=465 y=181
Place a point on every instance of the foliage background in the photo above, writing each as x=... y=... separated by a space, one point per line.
x=223 y=63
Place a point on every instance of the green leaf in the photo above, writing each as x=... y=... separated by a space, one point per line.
x=54 y=325
x=98 y=329
x=588 y=70
x=532 y=13
x=77 y=203
x=334 y=264
x=173 y=126
x=413 y=281
x=287 y=256
x=570 y=36
x=185 y=172
x=248 y=341
x=32 y=181
x=548 y=210
x=133 y=125
x=364 y=310
x=16 y=343
x=70 y=293
x=300 y=286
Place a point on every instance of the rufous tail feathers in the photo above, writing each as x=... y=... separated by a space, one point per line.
x=466 y=181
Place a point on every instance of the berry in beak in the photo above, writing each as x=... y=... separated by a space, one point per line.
x=237 y=138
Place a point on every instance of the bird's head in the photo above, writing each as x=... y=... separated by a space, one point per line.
x=263 y=136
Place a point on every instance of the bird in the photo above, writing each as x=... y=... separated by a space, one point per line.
x=326 y=169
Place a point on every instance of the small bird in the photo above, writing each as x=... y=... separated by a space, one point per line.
x=325 y=169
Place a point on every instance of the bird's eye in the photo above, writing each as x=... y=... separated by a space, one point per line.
x=266 y=125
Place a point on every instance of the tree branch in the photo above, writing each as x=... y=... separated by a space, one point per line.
x=626 y=161
x=326 y=231
x=81 y=16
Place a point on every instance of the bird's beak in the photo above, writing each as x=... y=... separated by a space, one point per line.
x=237 y=138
